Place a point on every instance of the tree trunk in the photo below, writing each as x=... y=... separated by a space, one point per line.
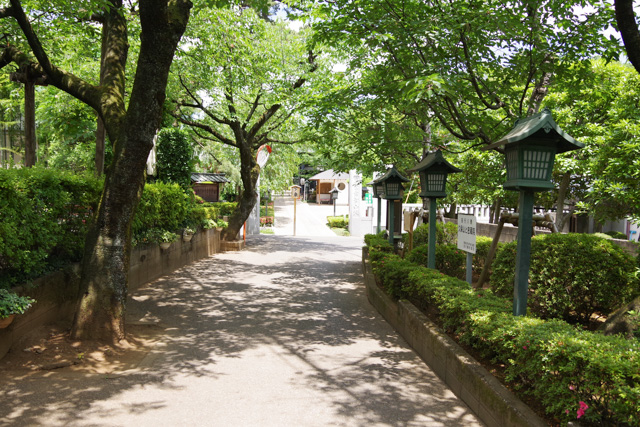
x=562 y=195
x=105 y=265
x=249 y=171
x=100 y=147
x=628 y=27
x=101 y=132
x=29 y=122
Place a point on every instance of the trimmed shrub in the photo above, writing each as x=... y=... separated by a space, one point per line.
x=616 y=235
x=446 y=233
x=44 y=215
x=338 y=221
x=164 y=207
x=561 y=366
x=377 y=242
x=225 y=208
x=572 y=276
x=449 y=259
x=483 y=244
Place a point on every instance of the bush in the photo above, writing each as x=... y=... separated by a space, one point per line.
x=377 y=242
x=446 y=233
x=338 y=221
x=572 y=276
x=162 y=206
x=449 y=259
x=44 y=215
x=225 y=208
x=175 y=157
x=556 y=363
x=266 y=221
x=483 y=244
x=616 y=235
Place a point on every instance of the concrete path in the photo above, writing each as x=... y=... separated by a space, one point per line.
x=280 y=334
x=310 y=218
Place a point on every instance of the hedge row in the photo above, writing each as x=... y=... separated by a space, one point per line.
x=44 y=215
x=573 y=373
x=572 y=276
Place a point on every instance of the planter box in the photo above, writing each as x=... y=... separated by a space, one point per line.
x=492 y=402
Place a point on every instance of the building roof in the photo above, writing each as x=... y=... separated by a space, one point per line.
x=207 y=178
x=329 y=175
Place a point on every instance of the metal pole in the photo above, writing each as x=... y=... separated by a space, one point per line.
x=391 y=204
x=523 y=257
x=469 y=267
x=294 y=216
x=431 y=257
x=379 y=213
x=334 y=207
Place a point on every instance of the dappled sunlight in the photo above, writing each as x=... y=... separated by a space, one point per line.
x=280 y=326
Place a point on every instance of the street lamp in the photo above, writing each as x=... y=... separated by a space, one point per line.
x=530 y=149
x=433 y=170
x=392 y=190
x=334 y=196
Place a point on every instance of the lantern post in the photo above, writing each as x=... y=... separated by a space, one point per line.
x=392 y=191
x=377 y=193
x=433 y=171
x=530 y=149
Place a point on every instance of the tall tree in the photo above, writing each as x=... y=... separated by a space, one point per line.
x=130 y=126
x=244 y=81
x=472 y=66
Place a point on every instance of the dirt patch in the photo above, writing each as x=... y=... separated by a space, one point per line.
x=50 y=348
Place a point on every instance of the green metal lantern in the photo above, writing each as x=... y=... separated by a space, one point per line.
x=392 y=188
x=392 y=191
x=433 y=170
x=530 y=149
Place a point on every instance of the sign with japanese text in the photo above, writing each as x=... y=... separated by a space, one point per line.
x=467 y=233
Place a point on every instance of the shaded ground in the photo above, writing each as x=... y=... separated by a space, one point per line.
x=279 y=334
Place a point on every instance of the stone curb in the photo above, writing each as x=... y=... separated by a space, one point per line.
x=493 y=403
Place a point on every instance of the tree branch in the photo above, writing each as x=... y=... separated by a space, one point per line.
x=628 y=27
x=196 y=125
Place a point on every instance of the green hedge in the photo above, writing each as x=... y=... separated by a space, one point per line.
x=452 y=261
x=558 y=364
x=572 y=276
x=338 y=221
x=446 y=233
x=44 y=215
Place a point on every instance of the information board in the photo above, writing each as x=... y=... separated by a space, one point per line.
x=467 y=233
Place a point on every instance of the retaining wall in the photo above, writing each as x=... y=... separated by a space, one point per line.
x=57 y=293
x=493 y=403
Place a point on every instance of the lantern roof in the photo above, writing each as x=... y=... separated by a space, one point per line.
x=541 y=129
x=392 y=174
x=435 y=162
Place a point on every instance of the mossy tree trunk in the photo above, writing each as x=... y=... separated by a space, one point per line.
x=105 y=265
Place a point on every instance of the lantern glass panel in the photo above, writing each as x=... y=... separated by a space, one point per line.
x=379 y=189
x=512 y=165
x=423 y=181
x=536 y=165
x=392 y=189
x=436 y=182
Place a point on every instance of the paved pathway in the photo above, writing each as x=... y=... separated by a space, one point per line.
x=280 y=334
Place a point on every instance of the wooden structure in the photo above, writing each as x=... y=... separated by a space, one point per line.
x=30 y=79
x=326 y=181
x=208 y=185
